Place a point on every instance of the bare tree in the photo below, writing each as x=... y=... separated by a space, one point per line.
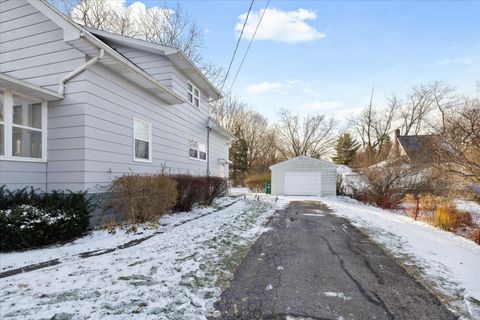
x=385 y=185
x=420 y=103
x=460 y=154
x=251 y=128
x=229 y=112
x=312 y=135
x=373 y=128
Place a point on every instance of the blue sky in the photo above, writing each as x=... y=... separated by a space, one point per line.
x=344 y=48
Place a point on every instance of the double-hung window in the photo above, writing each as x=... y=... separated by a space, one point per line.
x=193 y=95
x=142 y=132
x=23 y=122
x=197 y=151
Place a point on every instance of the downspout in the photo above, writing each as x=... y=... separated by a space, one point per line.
x=77 y=71
x=208 y=151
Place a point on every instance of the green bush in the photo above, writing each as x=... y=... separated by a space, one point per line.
x=30 y=219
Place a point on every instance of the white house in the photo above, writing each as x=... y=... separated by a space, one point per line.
x=79 y=106
x=304 y=176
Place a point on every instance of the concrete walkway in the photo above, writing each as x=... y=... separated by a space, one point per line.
x=313 y=265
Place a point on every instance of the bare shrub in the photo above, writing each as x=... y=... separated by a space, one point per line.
x=190 y=190
x=216 y=187
x=256 y=182
x=193 y=190
x=143 y=198
x=388 y=182
x=428 y=203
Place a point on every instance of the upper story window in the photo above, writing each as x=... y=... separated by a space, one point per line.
x=22 y=127
x=197 y=151
x=142 y=133
x=193 y=95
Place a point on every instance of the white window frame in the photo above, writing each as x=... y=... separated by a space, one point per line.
x=199 y=147
x=194 y=97
x=149 y=160
x=8 y=127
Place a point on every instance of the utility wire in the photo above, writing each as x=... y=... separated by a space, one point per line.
x=236 y=47
x=249 y=45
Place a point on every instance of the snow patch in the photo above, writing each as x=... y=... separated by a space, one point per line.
x=340 y=295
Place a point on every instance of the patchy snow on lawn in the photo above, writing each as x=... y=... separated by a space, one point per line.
x=469 y=206
x=447 y=263
x=176 y=274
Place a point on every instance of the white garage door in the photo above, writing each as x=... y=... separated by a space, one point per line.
x=303 y=183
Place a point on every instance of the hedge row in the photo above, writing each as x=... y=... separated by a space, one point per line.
x=30 y=219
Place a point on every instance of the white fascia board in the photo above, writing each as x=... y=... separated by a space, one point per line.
x=27 y=88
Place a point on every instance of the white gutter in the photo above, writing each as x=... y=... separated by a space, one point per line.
x=81 y=68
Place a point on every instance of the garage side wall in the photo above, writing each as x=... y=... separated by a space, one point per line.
x=278 y=181
x=329 y=182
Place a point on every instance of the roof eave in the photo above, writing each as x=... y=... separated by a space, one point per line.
x=27 y=88
x=73 y=31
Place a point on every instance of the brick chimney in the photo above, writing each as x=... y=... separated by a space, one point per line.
x=396 y=144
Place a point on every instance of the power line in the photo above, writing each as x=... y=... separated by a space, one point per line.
x=249 y=45
x=236 y=47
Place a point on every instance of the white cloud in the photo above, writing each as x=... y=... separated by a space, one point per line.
x=324 y=105
x=464 y=61
x=283 y=26
x=264 y=87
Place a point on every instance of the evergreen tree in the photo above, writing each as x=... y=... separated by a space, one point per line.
x=346 y=148
x=239 y=156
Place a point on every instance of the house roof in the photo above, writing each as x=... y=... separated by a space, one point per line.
x=303 y=158
x=28 y=89
x=215 y=126
x=80 y=38
x=175 y=55
x=420 y=149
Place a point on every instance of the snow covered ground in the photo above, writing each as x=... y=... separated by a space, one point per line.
x=176 y=274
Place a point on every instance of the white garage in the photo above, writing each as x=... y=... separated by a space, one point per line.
x=304 y=176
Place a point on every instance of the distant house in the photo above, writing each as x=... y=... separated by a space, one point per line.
x=418 y=150
x=79 y=106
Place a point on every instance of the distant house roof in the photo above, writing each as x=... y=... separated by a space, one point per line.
x=421 y=149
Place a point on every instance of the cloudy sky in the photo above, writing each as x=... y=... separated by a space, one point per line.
x=326 y=56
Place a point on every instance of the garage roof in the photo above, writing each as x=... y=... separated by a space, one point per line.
x=304 y=159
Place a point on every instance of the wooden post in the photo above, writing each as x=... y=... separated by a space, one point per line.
x=417 y=209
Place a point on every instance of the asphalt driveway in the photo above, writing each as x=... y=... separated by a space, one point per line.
x=313 y=265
